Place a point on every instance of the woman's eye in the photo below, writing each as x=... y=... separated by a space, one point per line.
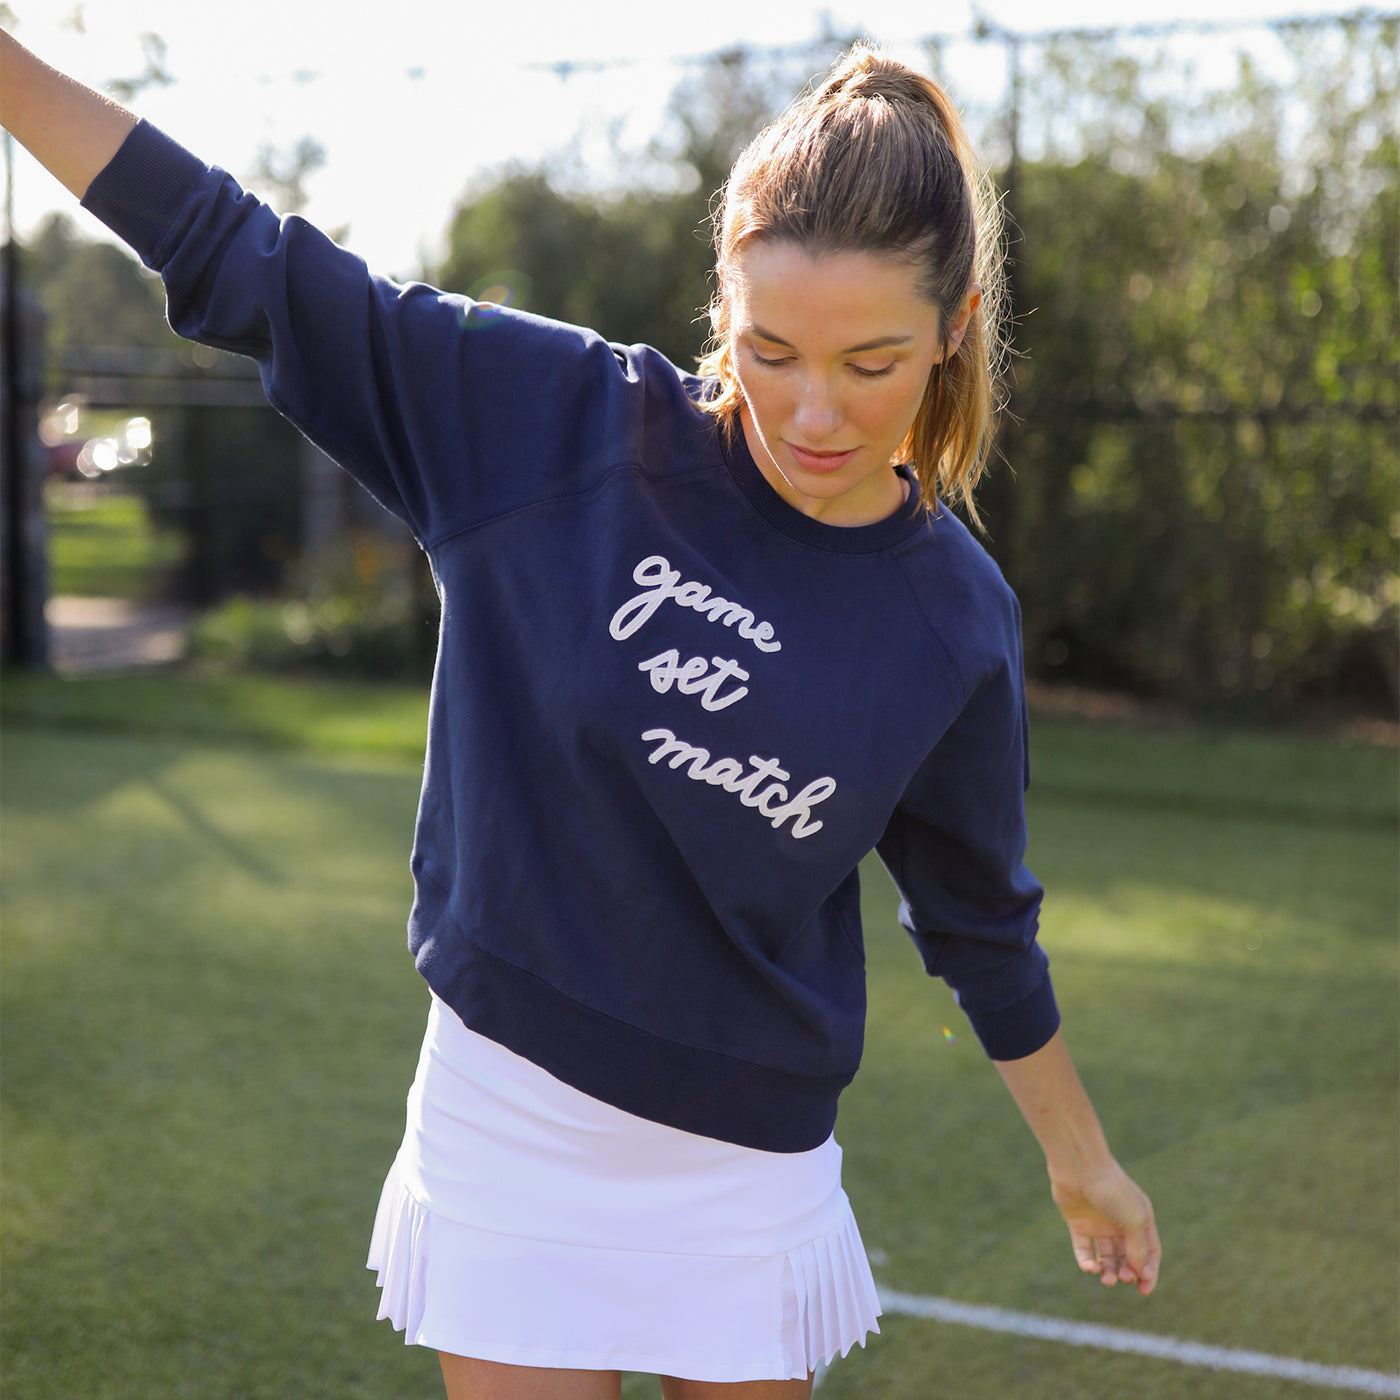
x=771 y=363
x=872 y=373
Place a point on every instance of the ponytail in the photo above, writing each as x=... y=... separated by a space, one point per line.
x=876 y=160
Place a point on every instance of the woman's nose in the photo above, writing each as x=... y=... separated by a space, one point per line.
x=818 y=411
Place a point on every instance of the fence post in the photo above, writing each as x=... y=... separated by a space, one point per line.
x=23 y=563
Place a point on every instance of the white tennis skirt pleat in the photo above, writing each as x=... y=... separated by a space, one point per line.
x=524 y=1222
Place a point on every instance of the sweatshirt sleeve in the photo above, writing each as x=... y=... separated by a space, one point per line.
x=955 y=848
x=448 y=411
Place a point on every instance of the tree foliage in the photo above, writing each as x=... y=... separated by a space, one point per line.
x=634 y=265
x=1206 y=497
x=280 y=176
x=93 y=294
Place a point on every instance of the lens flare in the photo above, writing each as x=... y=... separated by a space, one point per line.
x=492 y=295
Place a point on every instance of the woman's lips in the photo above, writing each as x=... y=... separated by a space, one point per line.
x=820 y=463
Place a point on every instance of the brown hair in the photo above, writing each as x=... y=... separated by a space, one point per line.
x=876 y=160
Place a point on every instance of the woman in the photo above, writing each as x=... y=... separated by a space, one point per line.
x=706 y=641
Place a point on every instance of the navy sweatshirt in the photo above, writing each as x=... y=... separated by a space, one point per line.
x=670 y=713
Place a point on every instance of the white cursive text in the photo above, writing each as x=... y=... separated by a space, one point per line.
x=696 y=678
x=661 y=581
x=728 y=773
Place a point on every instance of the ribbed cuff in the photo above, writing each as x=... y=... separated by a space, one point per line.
x=1015 y=1031
x=141 y=189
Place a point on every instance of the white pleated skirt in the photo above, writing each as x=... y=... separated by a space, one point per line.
x=525 y=1222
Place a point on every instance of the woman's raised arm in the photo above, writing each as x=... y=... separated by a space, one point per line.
x=69 y=129
x=449 y=412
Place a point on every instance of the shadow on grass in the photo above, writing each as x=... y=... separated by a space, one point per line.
x=210 y=1021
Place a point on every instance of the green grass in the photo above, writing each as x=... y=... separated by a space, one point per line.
x=210 y=1021
x=106 y=546
x=325 y=717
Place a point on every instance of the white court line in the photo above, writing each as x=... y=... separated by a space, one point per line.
x=1083 y=1334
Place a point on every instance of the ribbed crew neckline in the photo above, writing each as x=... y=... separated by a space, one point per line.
x=840 y=539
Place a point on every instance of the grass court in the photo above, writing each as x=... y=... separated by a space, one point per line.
x=210 y=1022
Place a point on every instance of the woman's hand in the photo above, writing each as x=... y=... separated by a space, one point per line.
x=1111 y=1226
x=1110 y=1219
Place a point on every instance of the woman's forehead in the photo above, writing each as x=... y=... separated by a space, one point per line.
x=779 y=289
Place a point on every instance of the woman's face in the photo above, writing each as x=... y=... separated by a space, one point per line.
x=832 y=354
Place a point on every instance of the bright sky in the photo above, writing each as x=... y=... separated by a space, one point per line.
x=415 y=99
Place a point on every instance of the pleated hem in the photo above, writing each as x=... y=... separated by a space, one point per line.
x=473 y=1292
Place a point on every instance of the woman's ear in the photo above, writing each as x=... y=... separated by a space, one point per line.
x=957 y=328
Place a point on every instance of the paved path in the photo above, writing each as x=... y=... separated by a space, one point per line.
x=112 y=634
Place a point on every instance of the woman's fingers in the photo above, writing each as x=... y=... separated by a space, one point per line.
x=1110 y=1258
x=1118 y=1259
x=1146 y=1266
x=1110 y=1263
x=1084 y=1253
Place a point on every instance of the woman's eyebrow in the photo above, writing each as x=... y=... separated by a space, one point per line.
x=879 y=343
